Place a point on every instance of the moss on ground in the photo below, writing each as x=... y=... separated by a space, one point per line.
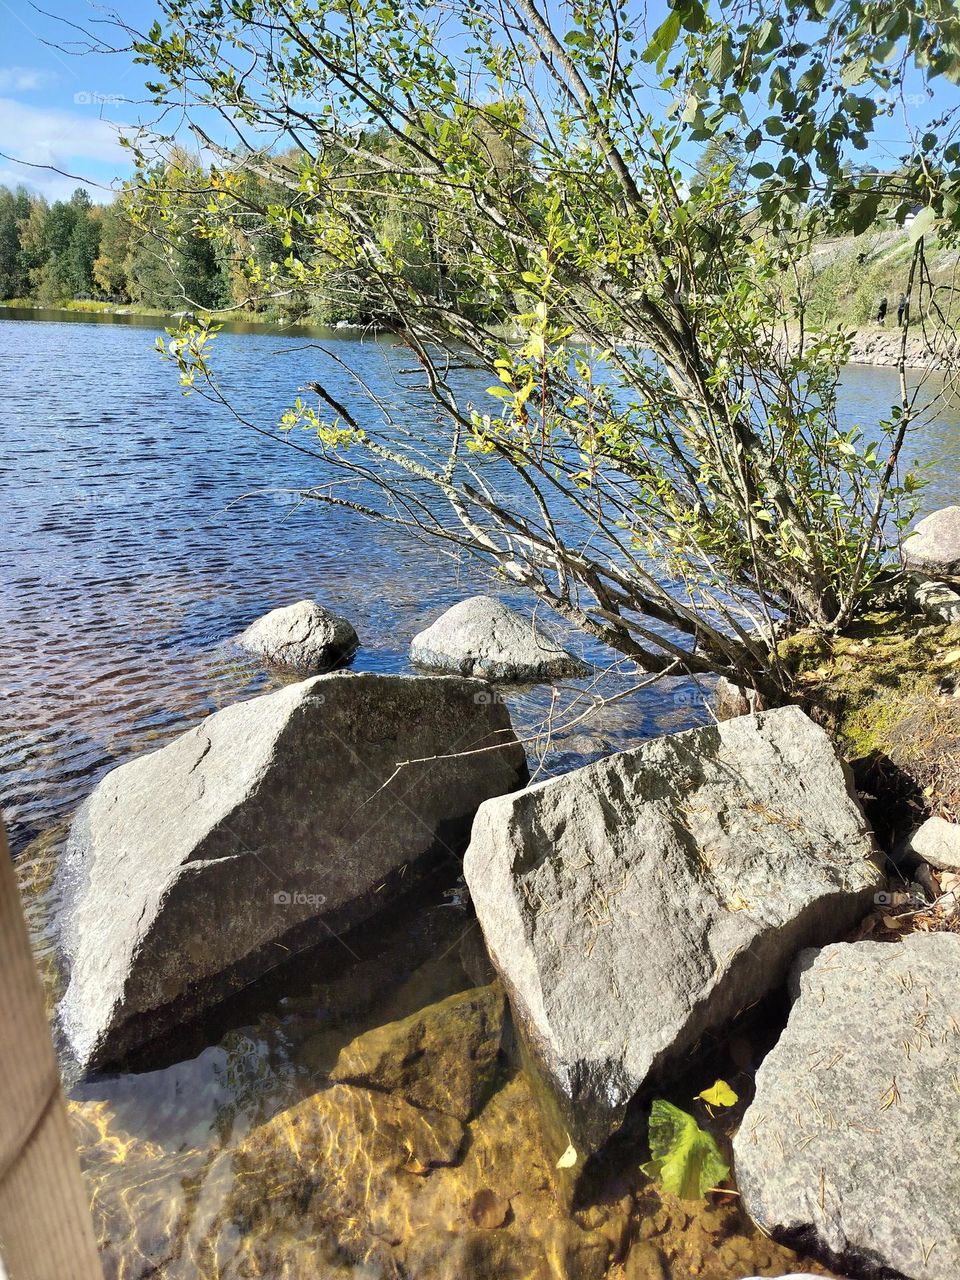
x=885 y=688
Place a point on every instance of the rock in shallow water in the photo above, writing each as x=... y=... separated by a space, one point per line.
x=270 y=826
x=482 y=637
x=301 y=637
x=852 y=1143
x=459 y=1039
x=634 y=904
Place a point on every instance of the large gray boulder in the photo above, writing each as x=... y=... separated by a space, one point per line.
x=301 y=637
x=634 y=904
x=934 y=545
x=483 y=637
x=273 y=824
x=851 y=1146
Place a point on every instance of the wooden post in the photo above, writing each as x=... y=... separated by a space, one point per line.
x=45 y=1227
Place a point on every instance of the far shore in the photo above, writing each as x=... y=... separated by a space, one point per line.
x=872 y=344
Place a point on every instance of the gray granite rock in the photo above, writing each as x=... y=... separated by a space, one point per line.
x=301 y=637
x=936 y=600
x=273 y=824
x=483 y=637
x=632 y=905
x=851 y=1147
x=938 y=843
x=934 y=545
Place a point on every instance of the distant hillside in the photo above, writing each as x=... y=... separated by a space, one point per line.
x=846 y=278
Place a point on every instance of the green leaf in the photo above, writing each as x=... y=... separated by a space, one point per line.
x=718 y=1095
x=811 y=78
x=663 y=38
x=854 y=72
x=922 y=223
x=685 y=1159
x=720 y=60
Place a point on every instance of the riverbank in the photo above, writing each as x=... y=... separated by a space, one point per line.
x=873 y=345
x=89 y=307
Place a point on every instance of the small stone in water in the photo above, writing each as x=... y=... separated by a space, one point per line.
x=488 y=1210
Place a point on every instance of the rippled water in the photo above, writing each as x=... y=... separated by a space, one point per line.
x=132 y=553
x=143 y=530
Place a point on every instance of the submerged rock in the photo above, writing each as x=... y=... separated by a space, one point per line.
x=852 y=1143
x=632 y=905
x=482 y=637
x=933 y=547
x=443 y=1058
x=273 y=824
x=302 y=637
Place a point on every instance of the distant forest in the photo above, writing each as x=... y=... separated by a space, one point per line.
x=153 y=248
x=75 y=250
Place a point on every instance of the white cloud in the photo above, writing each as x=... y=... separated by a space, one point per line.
x=45 y=135
x=25 y=79
x=49 y=185
x=78 y=142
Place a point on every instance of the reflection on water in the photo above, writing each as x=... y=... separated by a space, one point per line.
x=128 y=566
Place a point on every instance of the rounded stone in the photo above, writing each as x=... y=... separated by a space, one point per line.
x=302 y=637
x=934 y=545
x=482 y=637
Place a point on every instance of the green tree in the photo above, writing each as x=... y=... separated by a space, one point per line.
x=111 y=265
x=679 y=483
x=723 y=152
x=82 y=247
x=175 y=264
x=12 y=279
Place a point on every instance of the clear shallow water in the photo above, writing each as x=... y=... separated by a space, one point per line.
x=129 y=558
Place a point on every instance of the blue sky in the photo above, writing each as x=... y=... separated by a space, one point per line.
x=62 y=107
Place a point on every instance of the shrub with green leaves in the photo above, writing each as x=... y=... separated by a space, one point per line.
x=642 y=439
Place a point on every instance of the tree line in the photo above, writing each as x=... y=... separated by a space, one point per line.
x=153 y=246
x=73 y=249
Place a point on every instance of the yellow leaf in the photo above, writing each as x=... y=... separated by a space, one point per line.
x=718 y=1095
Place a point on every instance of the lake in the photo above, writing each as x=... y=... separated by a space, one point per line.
x=142 y=531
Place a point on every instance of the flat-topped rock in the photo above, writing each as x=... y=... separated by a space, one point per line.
x=273 y=824
x=934 y=545
x=301 y=637
x=852 y=1143
x=483 y=637
x=634 y=904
